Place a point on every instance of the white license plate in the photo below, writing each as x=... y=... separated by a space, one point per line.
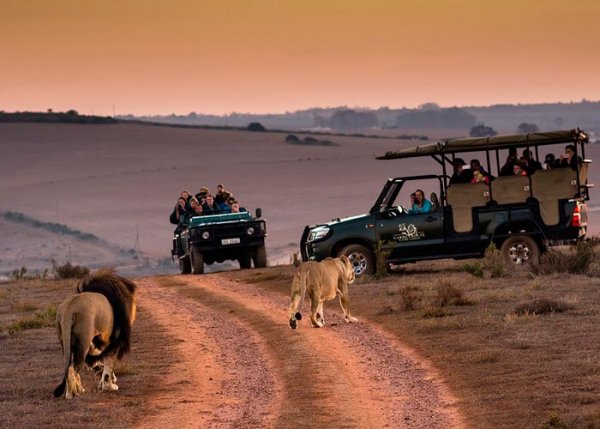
x=230 y=241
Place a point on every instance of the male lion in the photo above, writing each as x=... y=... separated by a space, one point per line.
x=322 y=280
x=94 y=327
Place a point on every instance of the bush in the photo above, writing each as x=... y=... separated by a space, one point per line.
x=410 y=297
x=381 y=254
x=70 y=271
x=493 y=262
x=475 y=269
x=448 y=294
x=256 y=126
x=542 y=306
x=21 y=274
x=579 y=259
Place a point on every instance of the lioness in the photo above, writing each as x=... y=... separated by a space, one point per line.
x=322 y=280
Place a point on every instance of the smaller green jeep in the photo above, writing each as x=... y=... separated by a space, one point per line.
x=217 y=238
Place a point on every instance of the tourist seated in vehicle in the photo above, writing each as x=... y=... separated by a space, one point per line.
x=186 y=195
x=511 y=159
x=178 y=211
x=568 y=158
x=235 y=207
x=223 y=205
x=201 y=195
x=549 y=161
x=435 y=202
x=412 y=200
x=421 y=204
x=518 y=170
x=220 y=196
x=479 y=174
x=532 y=164
x=192 y=209
x=209 y=206
x=198 y=210
x=461 y=175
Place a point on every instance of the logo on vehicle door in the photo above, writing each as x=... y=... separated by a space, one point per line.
x=408 y=233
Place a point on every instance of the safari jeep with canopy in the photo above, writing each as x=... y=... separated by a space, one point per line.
x=219 y=237
x=521 y=214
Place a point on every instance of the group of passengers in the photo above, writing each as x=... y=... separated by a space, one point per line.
x=204 y=203
x=526 y=165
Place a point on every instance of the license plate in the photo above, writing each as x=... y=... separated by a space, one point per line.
x=230 y=241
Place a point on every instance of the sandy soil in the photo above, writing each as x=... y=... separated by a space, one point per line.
x=239 y=365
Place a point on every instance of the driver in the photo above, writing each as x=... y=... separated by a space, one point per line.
x=421 y=205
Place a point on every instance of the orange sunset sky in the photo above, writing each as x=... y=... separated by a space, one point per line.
x=158 y=57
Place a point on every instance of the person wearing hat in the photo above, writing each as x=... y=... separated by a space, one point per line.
x=461 y=174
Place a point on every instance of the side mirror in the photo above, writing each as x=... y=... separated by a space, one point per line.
x=258 y=213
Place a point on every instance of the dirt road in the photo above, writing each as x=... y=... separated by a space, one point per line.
x=239 y=365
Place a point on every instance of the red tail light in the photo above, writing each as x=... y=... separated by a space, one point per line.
x=576 y=219
x=579 y=218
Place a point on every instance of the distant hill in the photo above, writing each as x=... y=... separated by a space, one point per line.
x=56 y=117
x=503 y=117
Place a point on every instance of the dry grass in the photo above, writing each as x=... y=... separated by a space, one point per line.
x=507 y=370
x=581 y=259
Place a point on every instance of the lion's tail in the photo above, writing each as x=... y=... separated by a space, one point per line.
x=66 y=326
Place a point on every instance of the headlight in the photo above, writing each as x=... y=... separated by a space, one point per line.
x=250 y=230
x=205 y=235
x=318 y=232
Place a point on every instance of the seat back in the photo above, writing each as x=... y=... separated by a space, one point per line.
x=463 y=197
x=511 y=189
x=549 y=187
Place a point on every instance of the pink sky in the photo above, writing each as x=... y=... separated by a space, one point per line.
x=216 y=56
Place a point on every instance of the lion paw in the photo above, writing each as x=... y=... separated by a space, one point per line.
x=351 y=319
x=293 y=323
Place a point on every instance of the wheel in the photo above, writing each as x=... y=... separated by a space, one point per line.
x=520 y=251
x=245 y=262
x=260 y=257
x=361 y=259
x=184 y=265
x=197 y=261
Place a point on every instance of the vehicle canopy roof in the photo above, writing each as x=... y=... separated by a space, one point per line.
x=489 y=143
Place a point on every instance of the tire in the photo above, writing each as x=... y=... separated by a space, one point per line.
x=361 y=258
x=185 y=265
x=197 y=261
x=245 y=262
x=260 y=257
x=520 y=252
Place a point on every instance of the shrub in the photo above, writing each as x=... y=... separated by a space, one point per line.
x=410 y=297
x=542 y=306
x=475 y=269
x=493 y=262
x=292 y=139
x=69 y=271
x=579 y=259
x=554 y=422
x=382 y=251
x=448 y=294
x=256 y=126
x=21 y=274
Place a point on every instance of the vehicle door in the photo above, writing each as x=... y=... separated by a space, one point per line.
x=412 y=235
